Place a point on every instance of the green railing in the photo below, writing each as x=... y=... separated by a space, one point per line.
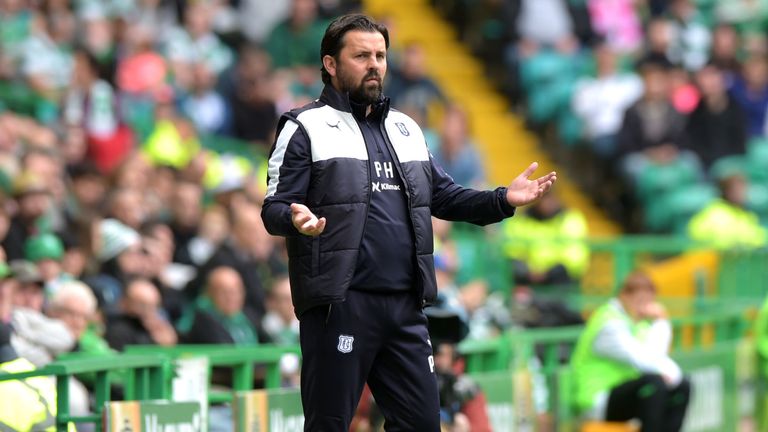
x=547 y=350
x=241 y=360
x=144 y=380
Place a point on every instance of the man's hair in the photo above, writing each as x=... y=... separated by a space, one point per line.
x=638 y=281
x=333 y=40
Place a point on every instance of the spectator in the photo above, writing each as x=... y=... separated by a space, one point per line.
x=213 y=231
x=691 y=38
x=75 y=306
x=36 y=337
x=196 y=42
x=253 y=97
x=127 y=205
x=250 y=251
x=547 y=24
x=457 y=153
x=92 y=103
x=186 y=209
x=726 y=222
x=725 y=52
x=293 y=43
x=600 y=102
x=410 y=86
x=547 y=245
x=280 y=322
x=652 y=131
x=618 y=22
x=120 y=258
x=220 y=317
x=34 y=203
x=86 y=194
x=717 y=127
x=621 y=366
x=47 y=63
x=204 y=105
x=46 y=252
x=140 y=320
x=750 y=91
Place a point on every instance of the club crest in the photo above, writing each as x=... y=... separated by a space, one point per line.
x=402 y=128
x=345 y=343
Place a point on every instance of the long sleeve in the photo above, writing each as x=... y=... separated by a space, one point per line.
x=617 y=342
x=288 y=176
x=456 y=203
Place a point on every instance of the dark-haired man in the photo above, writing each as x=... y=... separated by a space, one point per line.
x=352 y=187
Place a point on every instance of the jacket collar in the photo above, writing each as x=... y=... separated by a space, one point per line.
x=340 y=101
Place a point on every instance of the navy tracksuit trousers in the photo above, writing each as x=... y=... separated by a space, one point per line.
x=378 y=338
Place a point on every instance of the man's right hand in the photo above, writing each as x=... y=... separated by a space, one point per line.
x=305 y=221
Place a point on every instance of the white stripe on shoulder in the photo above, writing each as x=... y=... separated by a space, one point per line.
x=276 y=160
x=406 y=137
x=333 y=134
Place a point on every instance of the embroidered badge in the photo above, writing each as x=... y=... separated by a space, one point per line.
x=345 y=343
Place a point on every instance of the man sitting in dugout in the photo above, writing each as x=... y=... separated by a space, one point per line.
x=621 y=366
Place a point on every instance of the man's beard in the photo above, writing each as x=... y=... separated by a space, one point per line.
x=363 y=92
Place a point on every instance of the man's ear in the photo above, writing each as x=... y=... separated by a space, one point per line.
x=329 y=63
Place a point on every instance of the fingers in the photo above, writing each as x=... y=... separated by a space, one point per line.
x=530 y=170
x=305 y=221
x=551 y=177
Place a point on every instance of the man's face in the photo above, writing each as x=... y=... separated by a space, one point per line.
x=361 y=66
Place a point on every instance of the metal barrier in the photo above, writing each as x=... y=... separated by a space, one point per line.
x=241 y=360
x=145 y=380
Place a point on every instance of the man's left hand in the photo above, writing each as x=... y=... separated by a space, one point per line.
x=524 y=191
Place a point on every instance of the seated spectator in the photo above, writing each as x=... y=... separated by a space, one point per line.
x=691 y=38
x=293 y=42
x=219 y=317
x=725 y=52
x=750 y=91
x=252 y=97
x=196 y=42
x=34 y=202
x=547 y=244
x=36 y=337
x=652 y=131
x=280 y=322
x=46 y=252
x=410 y=86
x=726 y=223
x=250 y=250
x=456 y=153
x=119 y=257
x=92 y=103
x=211 y=234
x=204 y=105
x=599 y=102
x=141 y=320
x=619 y=22
x=74 y=304
x=717 y=127
x=621 y=366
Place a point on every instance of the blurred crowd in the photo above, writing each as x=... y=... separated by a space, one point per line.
x=666 y=99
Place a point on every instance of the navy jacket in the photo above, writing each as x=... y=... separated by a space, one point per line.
x=319 y=159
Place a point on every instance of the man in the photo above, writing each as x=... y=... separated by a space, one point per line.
x=621 y=366
x=141 y=320
x=726 y=222
x=352 y=187
x=219 y=317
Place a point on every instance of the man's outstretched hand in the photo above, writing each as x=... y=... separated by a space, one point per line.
x=524 y=191
x=305 y=221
